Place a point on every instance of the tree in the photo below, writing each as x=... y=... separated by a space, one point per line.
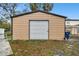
x=9 y=11
x=9 y=8
x=33 y=6
x=47 y=7
x=41 y=6
x=5 y=25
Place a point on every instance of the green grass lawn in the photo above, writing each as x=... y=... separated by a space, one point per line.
x=43 y=48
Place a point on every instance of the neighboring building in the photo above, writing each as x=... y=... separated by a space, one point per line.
x=38 y=25
x=72 y=25
x=72 y=22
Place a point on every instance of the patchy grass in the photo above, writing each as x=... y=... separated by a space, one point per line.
x=43 y=48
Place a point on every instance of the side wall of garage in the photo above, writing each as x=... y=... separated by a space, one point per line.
x=21 y=26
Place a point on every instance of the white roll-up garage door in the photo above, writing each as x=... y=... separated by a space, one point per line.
x=39 y=30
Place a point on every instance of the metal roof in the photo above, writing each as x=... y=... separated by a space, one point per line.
x=39 y=11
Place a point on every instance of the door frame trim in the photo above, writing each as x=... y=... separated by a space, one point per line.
x=37 y=20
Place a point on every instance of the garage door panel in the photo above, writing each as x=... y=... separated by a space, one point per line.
x=42 y=37
x=38 y=29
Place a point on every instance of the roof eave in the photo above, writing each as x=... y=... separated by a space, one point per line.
x=39 y=11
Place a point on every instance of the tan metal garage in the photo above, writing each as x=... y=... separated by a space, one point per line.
x=38 y=25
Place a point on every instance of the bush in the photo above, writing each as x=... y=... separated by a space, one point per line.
x=8 y=33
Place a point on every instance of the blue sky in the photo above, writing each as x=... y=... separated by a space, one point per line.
x=71 y=10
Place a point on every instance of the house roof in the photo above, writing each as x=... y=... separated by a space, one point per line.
x=39 y=11
x=72 y=19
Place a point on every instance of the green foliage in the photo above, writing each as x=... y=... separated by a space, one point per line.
x=8 y=33
x=41 y=6
x=33 y=6
x=47 y=6
x=5 y=25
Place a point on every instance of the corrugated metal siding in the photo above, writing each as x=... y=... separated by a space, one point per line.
x=21 y=26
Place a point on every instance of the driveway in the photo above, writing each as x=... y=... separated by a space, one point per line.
x=5 y=48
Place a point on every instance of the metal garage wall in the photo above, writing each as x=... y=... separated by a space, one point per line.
x=21 y=26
